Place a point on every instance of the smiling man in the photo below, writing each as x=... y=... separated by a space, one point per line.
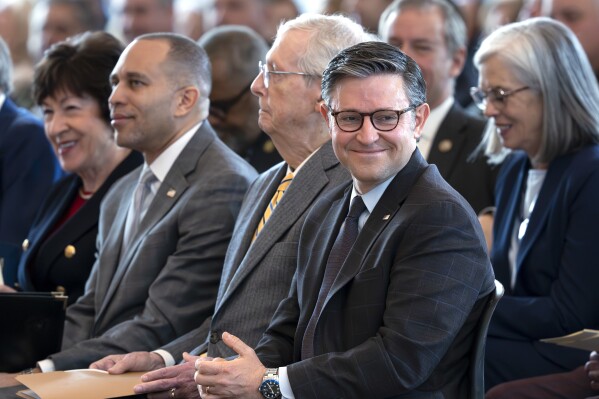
x=386 y=296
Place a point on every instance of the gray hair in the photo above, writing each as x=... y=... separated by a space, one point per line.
x=329 y=35
x=454 y=28
x=370 y=59
x=5 y=68
x=547 y=57
x=187 y=64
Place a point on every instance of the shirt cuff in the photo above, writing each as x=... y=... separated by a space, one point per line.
x=169 y=360
x=284 y=384
x=46 y=365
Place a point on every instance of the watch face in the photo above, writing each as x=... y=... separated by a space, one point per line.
x=270 y=389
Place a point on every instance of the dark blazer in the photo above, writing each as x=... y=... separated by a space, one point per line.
x=46 y=265
x=256 y=277
x=556 y=289
x=146 y=292
x=458 y=136
x=398 y=320
x=262 y=154
x=28 y=169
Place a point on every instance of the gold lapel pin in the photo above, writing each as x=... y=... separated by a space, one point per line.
x=69 y=251
x=171 y=193
x=386 y=217
x=445 y=145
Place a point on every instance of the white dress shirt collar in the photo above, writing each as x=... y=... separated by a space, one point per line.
x=163 y=163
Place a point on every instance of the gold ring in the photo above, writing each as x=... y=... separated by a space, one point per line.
x=173 y=392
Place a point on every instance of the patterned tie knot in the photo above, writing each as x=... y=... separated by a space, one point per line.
x=285 y=182
x=273 y=202
x=356 y=208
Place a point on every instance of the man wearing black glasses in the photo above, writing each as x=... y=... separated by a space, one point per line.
x=234 y=53
x=392 y=268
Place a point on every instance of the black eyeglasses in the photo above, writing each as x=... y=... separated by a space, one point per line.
x=383 y=120
x=221 y=108
x=495 y=94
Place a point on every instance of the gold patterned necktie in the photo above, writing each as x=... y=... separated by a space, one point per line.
x=273 y=202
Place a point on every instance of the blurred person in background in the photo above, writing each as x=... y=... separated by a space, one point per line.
x=72 y=87
x=28 y=168
x=433 y=33
x=234 y=53
x=53 y=21
x=582 y=16
x=14 y=29
x=132 y=18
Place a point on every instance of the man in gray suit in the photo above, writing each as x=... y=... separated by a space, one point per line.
x=155 y=278
x=259 y=268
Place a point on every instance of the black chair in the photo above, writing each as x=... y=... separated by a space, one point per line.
x=477 y=358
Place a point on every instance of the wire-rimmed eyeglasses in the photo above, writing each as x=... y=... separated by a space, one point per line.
x=266 y=73
x=496 y=94
x=384 y=119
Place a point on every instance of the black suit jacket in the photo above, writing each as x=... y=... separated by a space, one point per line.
x=45 y=265
x=457 y=138
x=399 y=317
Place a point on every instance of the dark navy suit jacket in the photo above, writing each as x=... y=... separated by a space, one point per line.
x=556 y=290
x=28 y=169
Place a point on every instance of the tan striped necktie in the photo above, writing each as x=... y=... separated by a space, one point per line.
x=273 y=202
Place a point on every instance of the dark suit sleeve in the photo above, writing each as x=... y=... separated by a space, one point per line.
x=193 y=342
x=184 y=289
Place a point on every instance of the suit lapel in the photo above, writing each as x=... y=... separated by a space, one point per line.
x=110 y=252
x=384 y=211
x=241 y=246
x=540 y=213
x=301 y=194
x=450 y=136
x=174 y=185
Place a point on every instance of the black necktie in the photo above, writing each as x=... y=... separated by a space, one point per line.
x=343 y=244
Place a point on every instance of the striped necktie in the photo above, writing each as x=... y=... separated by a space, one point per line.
x=273 y=202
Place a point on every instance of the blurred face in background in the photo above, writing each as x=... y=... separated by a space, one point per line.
x=251 y=13
x=57 y=22
x=419 y=32
x=146 y=16
x=233 y=108
x=582 y=17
